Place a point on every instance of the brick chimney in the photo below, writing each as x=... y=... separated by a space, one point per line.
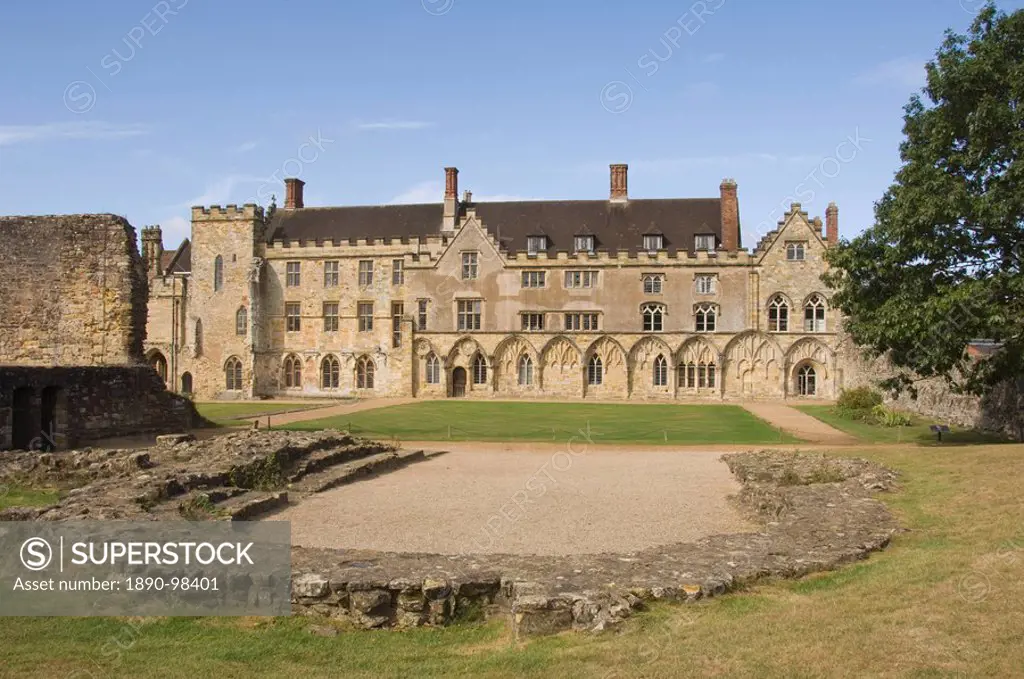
x=451 y=198
x=152 y=249
x=293 y=194
x=730 y=216
x=832 y=223
x=620 y=183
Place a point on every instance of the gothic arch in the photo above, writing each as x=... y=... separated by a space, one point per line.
x=698 y=350
x=754 y=365
x=615 y=378
x=610 y=351
x=809 y=349
x=506 y=359
x=561 y=351
x=646 y=350
x=642 y=357
x=561 y=367
x=463 y=350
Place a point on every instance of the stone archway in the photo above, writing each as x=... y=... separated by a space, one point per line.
x=53 y=420
x=459 y=379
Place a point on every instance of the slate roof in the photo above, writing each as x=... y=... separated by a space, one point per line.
x=177 y=261
x=615 y=226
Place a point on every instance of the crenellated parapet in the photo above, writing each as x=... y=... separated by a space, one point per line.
x=216 y=213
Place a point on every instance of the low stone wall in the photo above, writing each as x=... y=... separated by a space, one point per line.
x=999 y=411
x=62 y=407
x=817 y=511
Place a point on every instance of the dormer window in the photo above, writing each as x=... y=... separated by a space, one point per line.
x=583 y=244
x=653 y=242
x=535 y=244
x=704 y=242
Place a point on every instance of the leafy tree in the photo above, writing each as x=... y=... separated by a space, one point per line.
x=942 y=264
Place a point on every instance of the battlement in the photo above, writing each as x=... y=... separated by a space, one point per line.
x=623 y=257
x=249 y=211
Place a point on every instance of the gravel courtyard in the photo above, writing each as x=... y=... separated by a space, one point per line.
x=527 y=499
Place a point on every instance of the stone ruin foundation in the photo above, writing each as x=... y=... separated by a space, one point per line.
x=815 y=513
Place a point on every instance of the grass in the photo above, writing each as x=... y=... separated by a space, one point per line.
x=917 y=432
x=19 y=496
x=516 y=421
x=243 y=412
x=946 y=599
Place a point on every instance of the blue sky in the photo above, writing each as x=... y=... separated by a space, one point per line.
x=143 y=108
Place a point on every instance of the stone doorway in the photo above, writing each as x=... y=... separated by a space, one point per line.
x=458 y=383
x=54 y=415
x=23 y=424
x=186 y=383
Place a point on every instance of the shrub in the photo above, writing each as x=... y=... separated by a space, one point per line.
x=887 y=417
x=861 y=398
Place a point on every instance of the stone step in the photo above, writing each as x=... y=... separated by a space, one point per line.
x=251 y=505
x=358 y=470
x=324 y=459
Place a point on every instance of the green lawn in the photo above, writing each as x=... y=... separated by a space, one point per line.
x=946 y=599
x=17 y=496
x=515 y=421
x=237 y=413
x=918 y=432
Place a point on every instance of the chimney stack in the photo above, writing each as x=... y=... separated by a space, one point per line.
x=832 y=223
x=293 y=194
x=152 y=249
x=451 y=198
x=730 y=216
x=620 y=187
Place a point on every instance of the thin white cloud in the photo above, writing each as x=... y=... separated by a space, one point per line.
x=902 y=71
x=220 y=191
x=247 y=146
x=424 y=192
x=175 y=229
x=24 y=134
x=433 y=192
x=394 y=125
x=696 y=162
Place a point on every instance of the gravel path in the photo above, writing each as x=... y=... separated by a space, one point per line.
x=483 y=498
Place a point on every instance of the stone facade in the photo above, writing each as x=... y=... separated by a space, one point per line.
x=390 y=305
x=72 y=291
x=73 y=296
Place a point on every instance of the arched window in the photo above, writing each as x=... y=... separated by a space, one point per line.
x=525 y=371
x=330 y=373
x=696 y=375
x=660 y=371
x=218 y=273
x=241 y=321
x=233 y=374
x=807 y=381
x=653 y=317
x=705 y=317
x=778 y=314
x=364 y=373
x=479 y=369
x=814 y=314
x=595 y=370
x=292 y=372
x=433 y=369
x=186 y=383
x=198 y=344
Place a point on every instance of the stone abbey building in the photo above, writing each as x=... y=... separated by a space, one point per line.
x=599 y=299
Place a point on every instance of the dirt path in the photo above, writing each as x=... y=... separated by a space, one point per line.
x=799 y=424
x=333 y=411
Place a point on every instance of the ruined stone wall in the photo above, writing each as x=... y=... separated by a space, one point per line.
x=62 y=407
x=72 y=291
x=999 y=411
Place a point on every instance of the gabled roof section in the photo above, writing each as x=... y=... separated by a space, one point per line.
x=179 y=261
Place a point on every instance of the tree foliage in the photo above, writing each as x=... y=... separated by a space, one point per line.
x=941 y=266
